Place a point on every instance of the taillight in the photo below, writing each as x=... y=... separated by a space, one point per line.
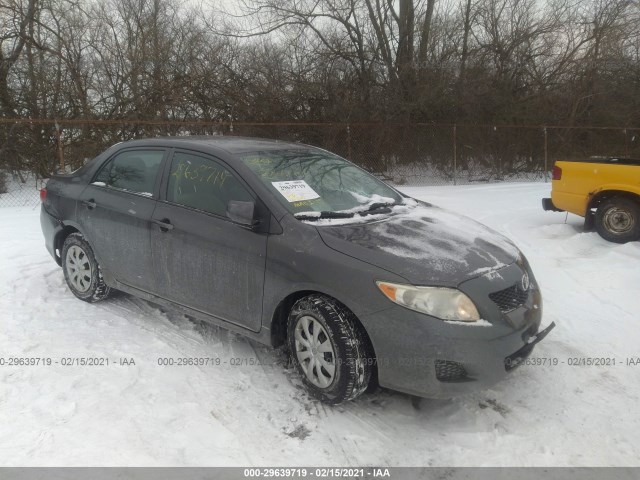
x=43 y=194
x=556 y=173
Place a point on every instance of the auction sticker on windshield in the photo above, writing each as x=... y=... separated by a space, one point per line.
x=295 y=190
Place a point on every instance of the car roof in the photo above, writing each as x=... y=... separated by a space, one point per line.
x=229 y=144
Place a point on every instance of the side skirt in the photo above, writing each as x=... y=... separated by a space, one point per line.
x=263 y=336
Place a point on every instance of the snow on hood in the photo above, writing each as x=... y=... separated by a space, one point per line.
x=426 y=245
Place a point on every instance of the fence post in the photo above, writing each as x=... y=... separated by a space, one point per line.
x=455 y=154
x=546 y=156
x=59 y=145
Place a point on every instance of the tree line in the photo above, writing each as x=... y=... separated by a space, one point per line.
x=515 y=62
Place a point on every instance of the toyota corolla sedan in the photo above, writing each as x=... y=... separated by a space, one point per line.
x=292 y=245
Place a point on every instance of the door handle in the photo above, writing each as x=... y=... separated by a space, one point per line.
x=90 y=204
x=164 y=224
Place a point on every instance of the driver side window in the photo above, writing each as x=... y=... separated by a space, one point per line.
x=204 y=184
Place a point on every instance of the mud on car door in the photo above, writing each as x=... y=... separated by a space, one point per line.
x=114 y=211
x=202 y=259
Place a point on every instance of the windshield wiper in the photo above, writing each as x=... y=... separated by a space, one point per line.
x=324 y=214
x=374 y=208
x=381 y=205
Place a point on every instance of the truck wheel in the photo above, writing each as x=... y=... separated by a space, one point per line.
x=329 y=349
x=81 y=270
x=618 y=220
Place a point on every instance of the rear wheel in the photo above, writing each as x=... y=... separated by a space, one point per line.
x=81 y=270
x=618 y=220
x=329 y=349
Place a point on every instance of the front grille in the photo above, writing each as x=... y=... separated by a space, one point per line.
x=448 y=371
x=510 y=298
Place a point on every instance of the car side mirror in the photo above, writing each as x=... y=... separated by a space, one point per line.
x=242 y=213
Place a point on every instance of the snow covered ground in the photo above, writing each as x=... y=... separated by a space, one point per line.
x=151 y=415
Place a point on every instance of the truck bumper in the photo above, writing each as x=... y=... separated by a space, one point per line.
x=547 y=204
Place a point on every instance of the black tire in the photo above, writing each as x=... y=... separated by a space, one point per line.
x=96 y=289
x=618 y=220
x=353 y=361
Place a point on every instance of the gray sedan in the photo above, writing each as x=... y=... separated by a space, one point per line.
x=292 y=245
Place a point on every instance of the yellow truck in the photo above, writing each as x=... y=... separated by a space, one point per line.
x=606 y=191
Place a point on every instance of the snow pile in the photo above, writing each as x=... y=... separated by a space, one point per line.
x=250 y=410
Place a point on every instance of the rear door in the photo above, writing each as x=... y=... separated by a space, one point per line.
x=115 y=213
x=202 y=259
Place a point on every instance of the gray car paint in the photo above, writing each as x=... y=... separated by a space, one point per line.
x=424 y=248
x=341 y=261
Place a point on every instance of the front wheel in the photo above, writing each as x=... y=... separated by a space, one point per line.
x=329 y=348
x=81 y=270
x=618 y=220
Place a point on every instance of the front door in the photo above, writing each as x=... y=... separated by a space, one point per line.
x=202 y=259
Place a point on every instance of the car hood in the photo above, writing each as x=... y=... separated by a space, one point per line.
x=425 y=244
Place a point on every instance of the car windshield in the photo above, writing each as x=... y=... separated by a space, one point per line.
x=316 y=184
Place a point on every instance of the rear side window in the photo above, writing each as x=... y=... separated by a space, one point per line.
x=202 y=183
x=133 y=171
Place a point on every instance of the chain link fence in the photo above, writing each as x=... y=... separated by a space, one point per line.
x=404 y=154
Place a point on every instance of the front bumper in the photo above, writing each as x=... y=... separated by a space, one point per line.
x=514 y=360
x=428 y=357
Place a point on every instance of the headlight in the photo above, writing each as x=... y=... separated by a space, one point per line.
x=440 y=302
